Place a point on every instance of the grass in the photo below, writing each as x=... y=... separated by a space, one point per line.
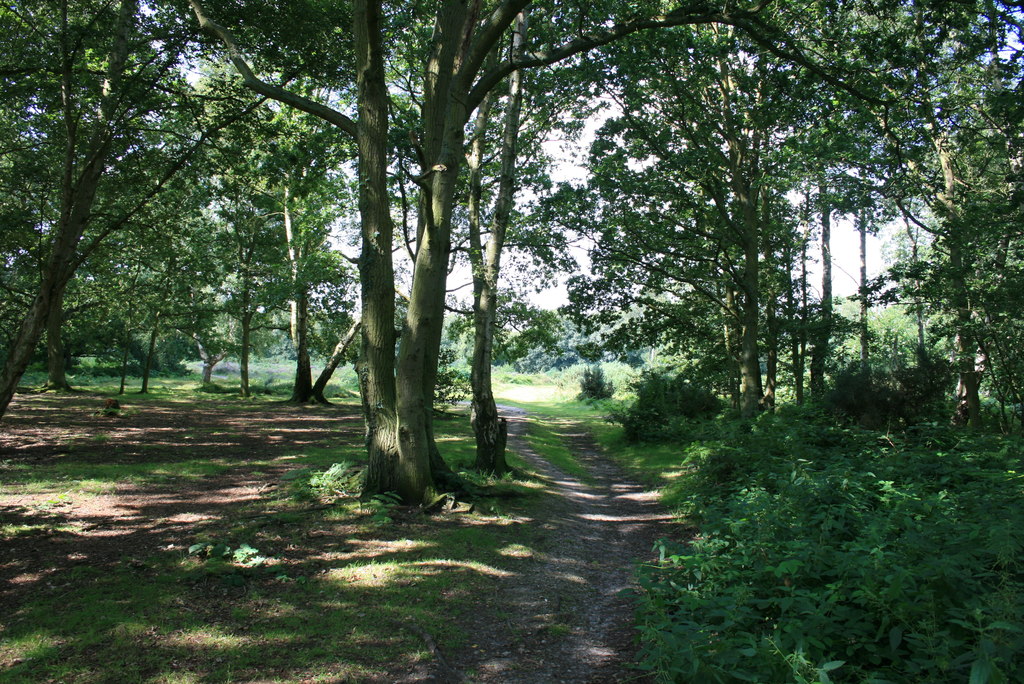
x=338 y=594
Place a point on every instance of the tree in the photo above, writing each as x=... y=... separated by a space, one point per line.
x=119 y=95
x=397 y=393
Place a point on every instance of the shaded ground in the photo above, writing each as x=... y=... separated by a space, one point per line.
x=102 y=521
x=531 y=593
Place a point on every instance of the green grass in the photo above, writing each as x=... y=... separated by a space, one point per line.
x=333 y=601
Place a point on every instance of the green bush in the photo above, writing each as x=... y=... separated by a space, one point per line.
x=830 y=555
x=663 y=404
x=452 y=384
x=880 y=398
x=593 y=385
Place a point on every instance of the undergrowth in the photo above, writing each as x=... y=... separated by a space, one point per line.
x=832 y=554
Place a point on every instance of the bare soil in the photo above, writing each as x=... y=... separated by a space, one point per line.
x=565 y=617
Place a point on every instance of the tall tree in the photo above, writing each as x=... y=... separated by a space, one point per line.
x=397 y=393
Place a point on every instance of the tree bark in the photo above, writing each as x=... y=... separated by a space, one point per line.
x=243 y=351
x=490 y=429
x=332 y=364
x=56 y=357
x=302 y=388
x=386 y=471
x=209 y=360
x=968 y=394
x=147 y=368
x=862 y=229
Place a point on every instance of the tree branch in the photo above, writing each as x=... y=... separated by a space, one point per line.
x=703 y=14
x=254 y=83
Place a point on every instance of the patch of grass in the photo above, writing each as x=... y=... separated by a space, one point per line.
x=331 y=599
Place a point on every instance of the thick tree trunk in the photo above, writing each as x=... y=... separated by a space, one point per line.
x=209 y=360
x=968 y=407
x=24 y=345
x=78 y=193
x=302 y=388
x=387 y=469
x=337 y=356
x=56 y=357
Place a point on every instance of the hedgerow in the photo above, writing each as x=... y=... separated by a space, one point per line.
x=839 y=555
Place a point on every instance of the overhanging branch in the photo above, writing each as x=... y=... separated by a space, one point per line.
x=254 y=83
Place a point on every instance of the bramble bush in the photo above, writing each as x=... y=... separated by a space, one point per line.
x=879 y=398
x=830 y=554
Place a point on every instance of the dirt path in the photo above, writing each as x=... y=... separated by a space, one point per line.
x=569 y=618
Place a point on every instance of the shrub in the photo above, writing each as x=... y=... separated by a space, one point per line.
x=593 y=385
x=879 y=398
x=829 y=555
x=662 y=403
x=453 y=384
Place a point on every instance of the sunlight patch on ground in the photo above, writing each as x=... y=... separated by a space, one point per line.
x=527 y=393
x=516 y=551
x=26 y=648
x=206 y=637
x=383 y=574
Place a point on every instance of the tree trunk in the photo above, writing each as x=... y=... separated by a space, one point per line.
x=124 y=365
x=823 y=331
x=771 y=358
x=56 y=359
x=732 y=346
x=209 y=360
x=968 y=407
x=862 y=229
x=332 y=364
x=243 y=351
x=386 y=469
x=150 y=355
x=302 y=388
x=78 y=193
x=490 y=429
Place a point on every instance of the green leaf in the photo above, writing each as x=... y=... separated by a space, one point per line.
x=981 y=671
x=833 y=665
x=895 y=637
x=196 y=548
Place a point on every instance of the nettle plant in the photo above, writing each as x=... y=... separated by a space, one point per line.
x=835 y=556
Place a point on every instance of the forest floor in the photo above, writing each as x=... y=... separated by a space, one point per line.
x=173 y=542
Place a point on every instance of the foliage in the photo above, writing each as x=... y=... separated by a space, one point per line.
x=340 y=480
x=593 y=384
x=453 y=383
x=827 y=554
x=877 y=397
x=663 y=403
